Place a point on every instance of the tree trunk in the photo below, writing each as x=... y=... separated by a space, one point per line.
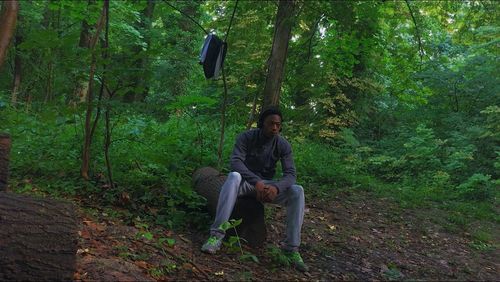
x=276 y=67
x=38 y=239
x=17 y=69
x=84 y=171
x=207 y=182
x=4 y=160
x=49 y=82
x=8 y=18
x=82 y=86
x=147 y=21
x=47 y=24
x=107 y=118
x=141 y=64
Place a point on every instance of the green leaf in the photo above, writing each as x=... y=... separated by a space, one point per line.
x=225 y=226
x=147 y=235
x=170 y=242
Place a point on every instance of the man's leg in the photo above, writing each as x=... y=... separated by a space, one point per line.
x=293 y=200
x=227 y=198
x=232 y=188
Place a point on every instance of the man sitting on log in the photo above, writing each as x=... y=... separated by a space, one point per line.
x=253 y=166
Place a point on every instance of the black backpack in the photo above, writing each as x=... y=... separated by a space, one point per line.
x=212 y=55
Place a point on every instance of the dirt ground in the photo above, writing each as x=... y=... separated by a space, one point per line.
x=351 y=237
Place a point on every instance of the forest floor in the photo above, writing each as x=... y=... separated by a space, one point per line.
x=352 y=236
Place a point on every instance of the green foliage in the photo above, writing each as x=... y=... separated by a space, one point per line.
x=392 y=273
x=478 y=187
x=421 y=150
x=233 y=243
x=278 y=258
x=45 y=146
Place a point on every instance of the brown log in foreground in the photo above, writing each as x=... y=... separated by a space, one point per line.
x=4 y=160
x=207 y=182
x=38 y=239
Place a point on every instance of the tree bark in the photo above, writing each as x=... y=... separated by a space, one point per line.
x=276 y=67
x=207 y=182
x=8 y=18
x=4 y=160
x=17 y=69
x=82 y=86
x=107 y=114
x=84 y=171
x=37 y=239
x=48 y=23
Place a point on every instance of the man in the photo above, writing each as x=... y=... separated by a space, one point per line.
x=253 y=166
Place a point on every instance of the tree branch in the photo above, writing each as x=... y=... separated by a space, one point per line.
x=417 y=32
x=204 y=30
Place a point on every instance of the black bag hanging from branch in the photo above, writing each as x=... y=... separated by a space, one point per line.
x=212 y=56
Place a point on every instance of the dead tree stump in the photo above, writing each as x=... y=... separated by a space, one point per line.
x=207 y=182
x=4 y=160
x=38 y=239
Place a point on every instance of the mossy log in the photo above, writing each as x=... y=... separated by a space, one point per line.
x=4 y=160
x=208 y=181
x=38 y=239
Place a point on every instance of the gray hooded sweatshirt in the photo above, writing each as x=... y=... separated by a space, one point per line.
x=255 y=157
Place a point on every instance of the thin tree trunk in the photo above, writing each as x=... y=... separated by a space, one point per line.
x=141 y=64
x=17 y=69
x=27 y=108
x=82 y=86
x=47 y=23
x=222 y=121
x=455 y=96
x=8 y=18
x=147 y=24
x=48 y=83
x=107 y=143
x=84 y=171
x=107 y=137
x=276 y=67
x=417 y=34
x=254 y=110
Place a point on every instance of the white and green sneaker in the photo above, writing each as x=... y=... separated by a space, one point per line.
x=212 y=245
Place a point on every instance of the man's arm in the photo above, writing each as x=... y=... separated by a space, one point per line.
x=288 y=168
x=238 y=158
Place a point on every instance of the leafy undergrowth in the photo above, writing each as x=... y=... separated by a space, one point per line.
x=353 y=236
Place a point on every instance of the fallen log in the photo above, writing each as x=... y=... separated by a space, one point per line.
x=4 y=160
x=38 y=236
x=207 y=182
x=38 y=239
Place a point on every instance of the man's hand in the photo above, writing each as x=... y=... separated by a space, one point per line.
x=265 y=193
x=260 y=189
x=271 y=193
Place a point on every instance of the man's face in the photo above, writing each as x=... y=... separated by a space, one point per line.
x=272 y=125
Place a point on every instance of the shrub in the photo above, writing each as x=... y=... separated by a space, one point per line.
x=478 y=187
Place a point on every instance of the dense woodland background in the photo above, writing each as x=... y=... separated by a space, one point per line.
x=399 y=98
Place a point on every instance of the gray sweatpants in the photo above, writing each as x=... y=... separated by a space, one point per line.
x=292 y=198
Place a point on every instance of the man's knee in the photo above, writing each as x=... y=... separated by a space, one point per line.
x=234 y=176
x=296 y=191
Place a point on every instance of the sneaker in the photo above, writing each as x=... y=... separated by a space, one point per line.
x=212 y=245
x=296 y=261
